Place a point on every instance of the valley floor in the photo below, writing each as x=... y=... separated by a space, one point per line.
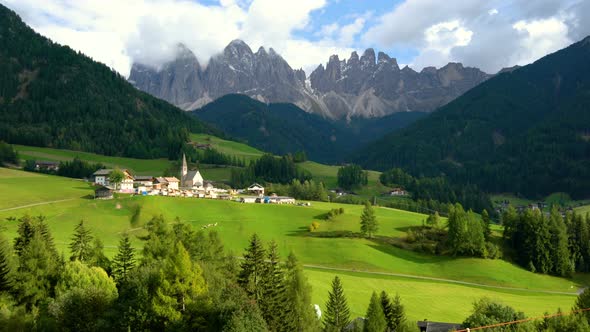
x=440 y=288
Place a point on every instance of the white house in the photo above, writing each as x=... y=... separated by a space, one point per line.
x=248 y=199
x=172 y=183
x=143 y=181
x=398 y=192
x=101 y=177
x=256 y=189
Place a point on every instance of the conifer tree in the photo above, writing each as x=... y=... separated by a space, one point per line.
x=398 y=314
x=5 y=281
x=375 y=318
x=337 y=314
x=124 y=261
x=273 y=299
x=387 y=311
x=302 y=316
x=253 y=268
x=369 y=225
x=485 y=218
x=81 y=245
x=562 y=265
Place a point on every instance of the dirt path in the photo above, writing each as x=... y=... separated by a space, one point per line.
x=466 y=283
x=36 y=204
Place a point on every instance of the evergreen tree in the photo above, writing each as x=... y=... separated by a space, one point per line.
x=97 y=256
x=273 y=300
x=485 y=218
x=562 y=265
x=387 y=311
x=124 y=261
x=369 y=225
x=398 y=315
x=375 y=318
x=583 y=302
x=253 y=268
x=337 y=314
x=302 y=316
x=5 y=267
x=81 y=245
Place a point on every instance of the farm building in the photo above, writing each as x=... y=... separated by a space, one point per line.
x=43 y=165
x=248 y=199
x=103 y=192
x=274 y=199
x=256 y=189
x=426 y=326
x=143 y=181
x=172 y=183
x=398 y=192
x=101 y=177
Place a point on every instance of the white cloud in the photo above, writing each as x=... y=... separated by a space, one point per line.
x=485 y=34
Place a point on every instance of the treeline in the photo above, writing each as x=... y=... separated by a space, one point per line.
x=352 y=177
x=551 y=244
x=437 y=189
x=211 y=156
x=76 y=168
x=308 y=190
x=269 y=169
x=56 y=97
x=8 y=154
x=182 y=280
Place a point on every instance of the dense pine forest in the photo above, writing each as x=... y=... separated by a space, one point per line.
x=53 y=96
x=524 y=131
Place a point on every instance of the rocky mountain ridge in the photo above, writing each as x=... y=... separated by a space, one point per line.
x=366 y=86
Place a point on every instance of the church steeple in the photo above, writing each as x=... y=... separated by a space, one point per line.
x=184 y=169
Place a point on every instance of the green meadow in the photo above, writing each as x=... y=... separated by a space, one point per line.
x=287 y=225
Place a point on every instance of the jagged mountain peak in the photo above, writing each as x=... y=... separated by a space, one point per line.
x=261 y=51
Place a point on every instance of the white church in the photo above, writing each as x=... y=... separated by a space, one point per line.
x=190 y=179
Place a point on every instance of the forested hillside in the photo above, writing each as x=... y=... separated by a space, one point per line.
x=526 y=131
x=53 y=96
x=283 y=128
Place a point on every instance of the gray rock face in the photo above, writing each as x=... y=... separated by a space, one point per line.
x=369 y=87
x=365 y=86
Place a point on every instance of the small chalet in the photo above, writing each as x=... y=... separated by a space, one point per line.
x=427 y=326
x=398 y=192
x=101 y=177
x=256 y=189
x=43 y=165
x=143 y=181
x=103 y=192
x=172 y=183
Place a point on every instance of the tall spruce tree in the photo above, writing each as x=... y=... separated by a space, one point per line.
x=487 y=224
x=337 y=314
x=253 y=268
x=124 y=261
x=562 y=265
x=5 y=268
x=369 y=225
x=398 y=314
x=273 y=300
x=375 y=318
x=81 y=245
x=387 y=311
x=302 y=316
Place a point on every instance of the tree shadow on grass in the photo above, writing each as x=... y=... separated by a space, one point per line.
x=408 y=255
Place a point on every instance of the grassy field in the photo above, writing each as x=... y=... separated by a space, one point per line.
x=288 y=226
x=231 y=148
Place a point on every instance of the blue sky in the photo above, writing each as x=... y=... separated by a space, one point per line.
x=489 y=34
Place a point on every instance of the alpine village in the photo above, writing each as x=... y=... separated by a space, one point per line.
x=296 y=166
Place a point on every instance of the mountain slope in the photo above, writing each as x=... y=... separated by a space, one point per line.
x=524 y=131
x=52 y=96
x=363 y=87
x=283 y=128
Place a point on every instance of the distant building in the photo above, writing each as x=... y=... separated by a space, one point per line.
x=43 y=165
x=248 y=199
x=398 y=192
x=256 y=189
x=427 y=326
x=274 y=199
x=101 y=177
x=103 y=192
x=143 y=181
x=189 y=179
x=172 y=183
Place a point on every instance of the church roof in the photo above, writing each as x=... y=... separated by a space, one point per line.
x=192 y=174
